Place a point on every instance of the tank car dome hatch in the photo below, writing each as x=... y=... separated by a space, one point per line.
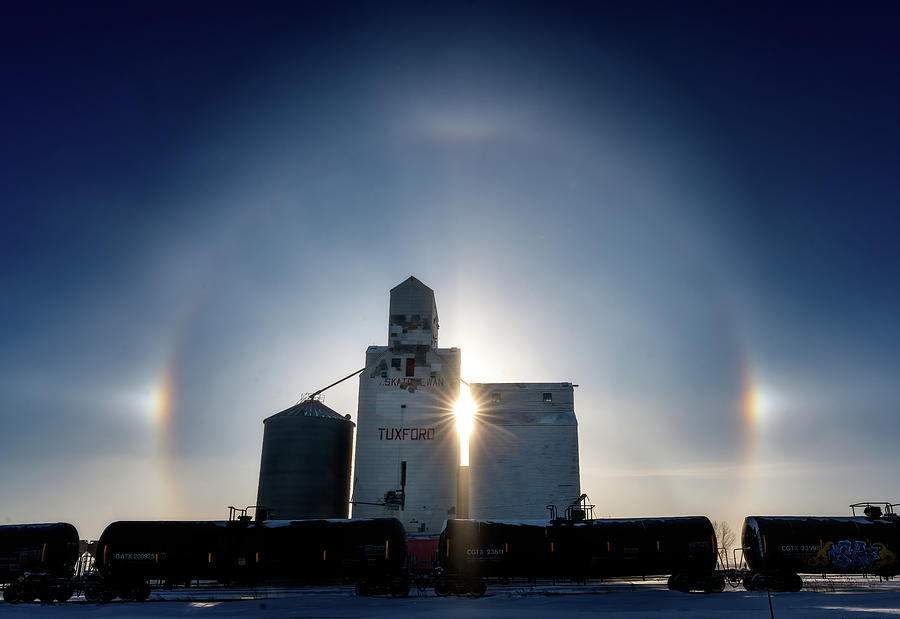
x=305 y=465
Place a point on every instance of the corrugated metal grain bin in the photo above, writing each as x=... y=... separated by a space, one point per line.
x=305 y=467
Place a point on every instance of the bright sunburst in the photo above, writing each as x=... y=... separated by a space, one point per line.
x=465 y=421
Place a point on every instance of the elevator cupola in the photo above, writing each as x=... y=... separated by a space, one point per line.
x=413 y=316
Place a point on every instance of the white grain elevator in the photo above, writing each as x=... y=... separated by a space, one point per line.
x=523 y=453
x=407 y=446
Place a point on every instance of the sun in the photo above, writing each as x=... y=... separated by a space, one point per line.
x=465 y=421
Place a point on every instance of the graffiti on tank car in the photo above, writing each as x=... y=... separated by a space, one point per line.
x=858 y=554
x=406 y=434
x=847 y=554
x=887 y=559
x=821 y=557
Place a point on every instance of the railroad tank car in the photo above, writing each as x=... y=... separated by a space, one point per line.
x=683 y=547
x=471 y=551
x=370 y=551
x=37 y=561
x=778 y=549
x=130 y=554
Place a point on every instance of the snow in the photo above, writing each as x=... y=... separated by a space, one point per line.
x=828 y=599
x=40 y=525
x=277 y=524
x=856 y=519
x=517 y=523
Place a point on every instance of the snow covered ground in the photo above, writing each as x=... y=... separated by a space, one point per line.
x=825 y=599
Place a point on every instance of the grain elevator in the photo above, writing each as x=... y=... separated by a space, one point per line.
x=523 y=450
x=407 y=447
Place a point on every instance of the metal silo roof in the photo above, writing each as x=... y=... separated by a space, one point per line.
x=310 y=408
x=305 y=465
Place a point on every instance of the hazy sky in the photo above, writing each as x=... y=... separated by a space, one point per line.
x=690 y=211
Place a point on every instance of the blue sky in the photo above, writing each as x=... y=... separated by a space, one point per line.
x=689 y=211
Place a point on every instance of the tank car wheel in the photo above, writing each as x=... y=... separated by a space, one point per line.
x=759 y=582
x=362 y=587
x=91 y=593
x=476 y=588
x=13 y=594
x=793 y=583
x=47 y=594
x=142 y=592
x=28 y=593
x=441 y=587
x=130 y=592
x=679 y=582
x=105 y=596
x=747 y=581
x=715 y=583
x=63 y=592
x=399 y=588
